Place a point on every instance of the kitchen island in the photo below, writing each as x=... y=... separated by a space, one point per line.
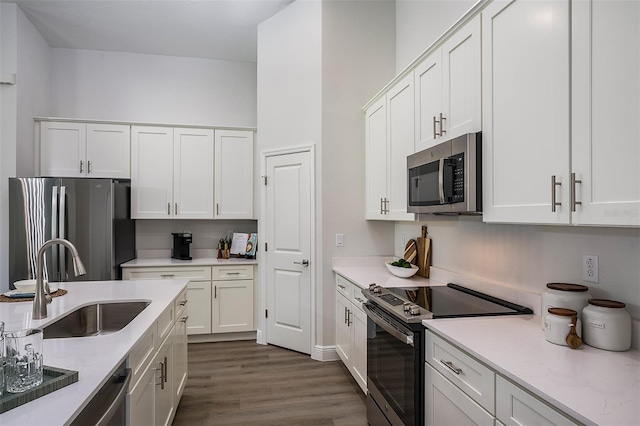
x=95 y=358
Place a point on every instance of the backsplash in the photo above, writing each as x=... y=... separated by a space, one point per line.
x=153 y=237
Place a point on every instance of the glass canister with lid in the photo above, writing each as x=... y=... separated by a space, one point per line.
x=606 y=325
x=564 y=295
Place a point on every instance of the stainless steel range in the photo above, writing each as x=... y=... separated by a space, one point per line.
x=395 y=343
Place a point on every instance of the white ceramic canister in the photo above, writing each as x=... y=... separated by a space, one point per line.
x=562 y=295
x=607 y=325
x=557 y=325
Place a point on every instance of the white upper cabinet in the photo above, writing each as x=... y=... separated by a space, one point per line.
x=389 y=140
x=85 y=150
x=233 y=174
x=525 y=104
x=606 y=112
x=171 y=173
x=448 y=89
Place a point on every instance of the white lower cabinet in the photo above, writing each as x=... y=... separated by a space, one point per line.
x=460 y=390
x=232 y=306
x=199 y=296
x=164 y=403
x=351 y=330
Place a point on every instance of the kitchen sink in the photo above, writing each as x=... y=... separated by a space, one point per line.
x=94 y=320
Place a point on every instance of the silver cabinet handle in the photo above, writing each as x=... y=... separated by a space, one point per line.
x=176 y=209
x=442 y=120
x=161 y=374
x=345 y=314
x=554 y=203
x=305 y=262
x=217 y=208
x=169 y=209
x=341 y=286
x=184 y=319
x=167 y=275
x=233 y=273
x=435 y=132
x=81 y=166
x=349 y=322
x=359 y=300
x=381 y=205
x=165 y=369
x=89 y=166
x=574 y=181
x=183 y=303
x=450 y=366
x=386 y=205
x=215 y=292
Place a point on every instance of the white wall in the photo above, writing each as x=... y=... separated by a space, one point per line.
x=358 y=48
x=152 y=88
x=420 y=22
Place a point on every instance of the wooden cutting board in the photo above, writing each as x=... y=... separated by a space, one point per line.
x=411 y=252
x=423 y=245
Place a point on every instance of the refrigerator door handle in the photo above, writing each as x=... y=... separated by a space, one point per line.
x=54 y=231
x=62 y=232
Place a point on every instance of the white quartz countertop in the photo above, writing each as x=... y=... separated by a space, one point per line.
x=95 y=358
x=203 y=261
x=365 y=271
x=592 y=385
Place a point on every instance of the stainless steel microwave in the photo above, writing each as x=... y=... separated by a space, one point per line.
x=447 y=178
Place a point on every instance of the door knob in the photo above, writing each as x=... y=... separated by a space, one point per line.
x=304 y=262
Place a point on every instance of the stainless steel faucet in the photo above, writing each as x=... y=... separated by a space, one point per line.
x=43 y=298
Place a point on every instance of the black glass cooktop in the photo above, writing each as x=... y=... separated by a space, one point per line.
x=452 y=301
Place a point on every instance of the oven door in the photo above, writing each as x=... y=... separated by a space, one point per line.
x=393 y=368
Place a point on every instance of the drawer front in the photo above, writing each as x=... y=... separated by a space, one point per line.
x=356 y=296
x=142 y=354
x=472 y=377
x=343 y=286
x=165 y=321
x=193 y=273
x=515 y=406
x=180 y=303
x=232 y=272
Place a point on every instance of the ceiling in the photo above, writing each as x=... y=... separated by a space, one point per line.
x=215 y=29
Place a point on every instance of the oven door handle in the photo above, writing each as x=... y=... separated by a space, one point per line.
x=404 y=338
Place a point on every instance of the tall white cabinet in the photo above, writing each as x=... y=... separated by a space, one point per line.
x=233 y=174
x=525 y=105
x=171 y=173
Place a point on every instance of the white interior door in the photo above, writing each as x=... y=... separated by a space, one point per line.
x=288 y=253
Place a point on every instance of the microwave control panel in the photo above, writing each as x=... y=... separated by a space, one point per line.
x=454 y=179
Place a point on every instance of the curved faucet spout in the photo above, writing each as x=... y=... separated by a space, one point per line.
x=42 y=296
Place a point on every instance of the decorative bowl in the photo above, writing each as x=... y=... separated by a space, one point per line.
x=29 y=286
x=400 y=271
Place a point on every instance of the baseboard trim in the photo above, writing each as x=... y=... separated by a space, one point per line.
x=324 y=353
x=221 y=337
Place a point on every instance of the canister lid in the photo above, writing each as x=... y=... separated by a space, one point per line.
x=604 y=303
x=567 y=287
x=563 y=312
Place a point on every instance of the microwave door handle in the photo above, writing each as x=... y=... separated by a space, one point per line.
x=441 y=180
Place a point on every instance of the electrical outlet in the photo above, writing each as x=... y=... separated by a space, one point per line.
x=339 y=240
x=590 y=268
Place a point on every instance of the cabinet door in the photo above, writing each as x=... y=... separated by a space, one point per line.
x=446 y=405
x=428 y=99
x=376 y=160
x=193 y=174
x=461 y=85
x=199 y=297
x=179 y=356
x=63 y=149
x=359 y=347
x=525 y=92
x=164 y=409
x=141 y=398
x=606 y=107
x=343 y=334
x=232 y=308
x=109 y=151
x=233 y=174
x=151 y=172
x=400 y=141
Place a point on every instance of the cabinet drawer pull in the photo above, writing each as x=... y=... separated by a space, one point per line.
x=167 y=275
x=341 y=286
x=435 y=132
x=349 y=321
x=233 y=273
x=450 y=366
x=359 y=300
x=184 y=319
x=183 y=303
x=217 y=209
x=553 y=193
x=165 y=369
x=161 y=369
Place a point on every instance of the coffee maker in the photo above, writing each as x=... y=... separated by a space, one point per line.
x=181 y=242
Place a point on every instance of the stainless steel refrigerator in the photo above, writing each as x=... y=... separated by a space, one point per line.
x=94 y=214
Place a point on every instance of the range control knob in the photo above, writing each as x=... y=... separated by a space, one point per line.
x=415 y=310
x=377 y=289
x=371 y=287
x=407 y=306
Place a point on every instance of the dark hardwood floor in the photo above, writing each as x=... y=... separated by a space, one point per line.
x=243 y=383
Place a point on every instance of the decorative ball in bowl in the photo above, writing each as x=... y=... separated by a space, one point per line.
x=402 y=271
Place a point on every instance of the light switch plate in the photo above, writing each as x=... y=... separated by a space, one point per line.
x=339 y=240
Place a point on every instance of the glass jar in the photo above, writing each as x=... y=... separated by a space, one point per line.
x=607 y=325
x=557 y=325
x=563 y=295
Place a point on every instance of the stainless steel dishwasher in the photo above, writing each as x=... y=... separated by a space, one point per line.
x=108 y=406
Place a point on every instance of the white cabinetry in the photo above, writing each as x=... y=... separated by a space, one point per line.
x=525 y=101
x=232 y=305
x=460 y=390
x=389 y=139
x=351 y=330
x=605 y=146
x=233 y=174
x=171 y=173
x=96 y=150
x=159 y=369
x=448 y=88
